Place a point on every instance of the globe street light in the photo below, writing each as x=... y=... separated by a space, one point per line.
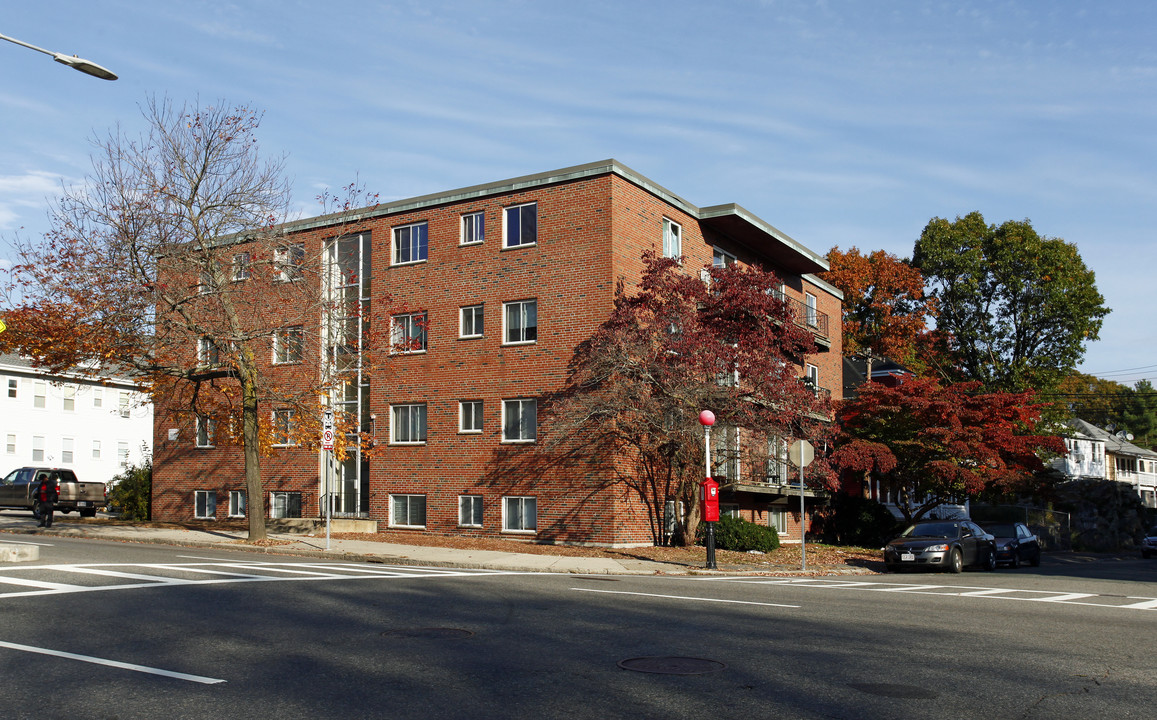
x=85 y=66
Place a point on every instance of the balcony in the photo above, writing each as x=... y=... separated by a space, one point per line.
x=808 y=317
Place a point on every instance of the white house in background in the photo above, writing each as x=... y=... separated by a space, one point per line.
x=96 y=428
x=1098 y=454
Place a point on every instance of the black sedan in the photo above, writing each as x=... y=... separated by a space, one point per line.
x=942 y=544
x=1015 y=544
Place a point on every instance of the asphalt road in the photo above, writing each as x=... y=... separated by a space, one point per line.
x=115 y=630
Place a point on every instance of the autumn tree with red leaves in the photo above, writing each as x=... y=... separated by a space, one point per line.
x=930 y=444
x=674 y=347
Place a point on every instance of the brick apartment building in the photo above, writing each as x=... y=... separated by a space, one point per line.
x=503 y=281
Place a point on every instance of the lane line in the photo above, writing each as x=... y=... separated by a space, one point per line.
x=684 y=597
x=113 y=663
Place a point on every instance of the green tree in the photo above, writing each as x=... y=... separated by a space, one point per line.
x=1089 y=398
x=1139 y=413
x=130 y=491
x=1019 y=307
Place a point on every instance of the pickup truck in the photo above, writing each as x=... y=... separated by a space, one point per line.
x=18 y=487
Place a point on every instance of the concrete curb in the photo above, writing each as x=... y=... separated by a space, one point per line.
x=11 y=552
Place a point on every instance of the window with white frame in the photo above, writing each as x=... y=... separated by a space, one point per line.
x=473 y=228
x=97 y=397
x=283 y=428
x=408 y=511
x=208 y=354
x=96 y=449
x=123 y=453
x=206 y=286
x=69 y=393
x=240 y=266
x=520 y=322
x=721 y=258
x=10 y=445
x=13 y=383
x=205 y=504
x=236 y=503
x=470 y=416
x=205 y=430
x=66 y=450
x=813 y=378
x=521 y=223
x=124 y=404
x=470 y=511
x=777 y=467
x=672 y=239
x=777 y=518
x=470 y=321
x=284 y=504
x=289 y=262
x=810 y=308
x=39 y=394
x=519 y=514
x=408 y=333
x=729 y=510
x=519 y=420
x=38 y=448
x=287 y=344
x=408 y=424
x=725 y=452
x=411 y=243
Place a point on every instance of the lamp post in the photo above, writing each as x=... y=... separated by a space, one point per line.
x=710 y=494
x=85 y=66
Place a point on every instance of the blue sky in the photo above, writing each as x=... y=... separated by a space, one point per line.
x=841 y=123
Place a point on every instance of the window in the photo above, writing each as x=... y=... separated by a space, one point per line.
x=519 y=514
x=519 y=420
x=97 y=397
x=810 y=304
x=96 y=449
x=208 y=354
x=123 y=453
x=236 y=503
x=408 y=333
x=408 y=425
x=722 y=258
x=69 y=398
x=37 y=448
x=206 y=285
x=287 y=345
x=470 y=510
x=470 y=321
x=813 y=378
x=520 y=319
x=473 y=228
x=285 y=504
x=408 y=511
x=777 y=518
x=288 y=262
x=730 y=510
x=725 y=452
x=240 y=266
x=410 y=243
x=124 y=404
x=777 y=465
x=12 y=384
x=10 y=447
x=39 y=394
x=205 y=430
x=672 y=239
x=205 y=504
x=521 y=225
x=470 y=416
x=66 y=450
x=283 y=427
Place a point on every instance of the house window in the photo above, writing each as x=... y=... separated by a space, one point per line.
x=672 y=239
x=519 y=514
x=236 y=503
x=408 y=426
x=473 y=228
x=813 y=378
x=725 y=452
x=470 y=416
x=39 y=395
x=96 y=449
x=69 y=398
x=97 y=398
x=520 y=321
x=123 y=453
x=519 y=420
x=289 y=261
x=470 y=321
x=283 y=427
x=521 y=225
x=205 y=504
x=408 y=511
x=470 y=510
x=124 y=404
x=37 y=448
x=730 y=510
x=287 y=344
x=66 y=447
x=205 y=429
x=206 y=286
x=12 y=384
x=408 y=333
x=10 y=447
x=810 y=304
x=777 y=518
x=721 y=258
x=410 y=243
x=240 y=266
x=777 y=467
x=208 y=354
x=285 y=504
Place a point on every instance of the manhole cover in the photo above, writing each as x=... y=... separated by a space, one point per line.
x=672 y=665
x=895 y=691
x=428 y=633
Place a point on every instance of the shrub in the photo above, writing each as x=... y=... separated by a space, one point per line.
x=732 y=533
x=130 y=492
x=855 y=521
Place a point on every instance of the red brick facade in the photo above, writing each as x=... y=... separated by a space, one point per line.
x=593 y=224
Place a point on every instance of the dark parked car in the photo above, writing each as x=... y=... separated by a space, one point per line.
x=942 y=544
x=1149 y=544
x=1015 y=544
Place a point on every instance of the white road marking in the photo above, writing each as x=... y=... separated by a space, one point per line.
x=683 y=597
x=113 y=663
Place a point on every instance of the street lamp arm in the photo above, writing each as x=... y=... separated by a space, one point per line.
x=85 y=66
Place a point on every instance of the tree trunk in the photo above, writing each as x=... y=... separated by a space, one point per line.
x=255 y=496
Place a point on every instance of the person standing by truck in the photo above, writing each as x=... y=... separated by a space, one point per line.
x=46 y=495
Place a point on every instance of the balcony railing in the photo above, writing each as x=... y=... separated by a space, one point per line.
x=807 y=316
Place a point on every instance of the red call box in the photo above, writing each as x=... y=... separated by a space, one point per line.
x=710 y=500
